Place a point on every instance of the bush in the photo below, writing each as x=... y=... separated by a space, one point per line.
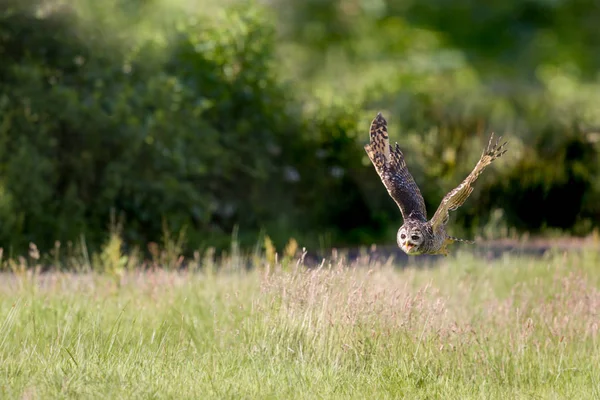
x=445 y=80
x=180 y=120
x=187 y=124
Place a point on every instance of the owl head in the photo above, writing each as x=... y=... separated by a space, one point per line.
x=410 y=238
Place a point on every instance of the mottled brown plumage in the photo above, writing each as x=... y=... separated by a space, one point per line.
x=417 y=235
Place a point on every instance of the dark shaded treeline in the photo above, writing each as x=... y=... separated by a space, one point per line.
x=182 y=120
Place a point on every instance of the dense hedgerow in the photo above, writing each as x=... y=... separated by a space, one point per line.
x=179 y=119
x=184 y=117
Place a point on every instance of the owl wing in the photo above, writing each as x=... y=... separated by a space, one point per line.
x=457 y=197
x=391 y=167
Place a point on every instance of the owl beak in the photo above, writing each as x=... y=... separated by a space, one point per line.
x=409 y=246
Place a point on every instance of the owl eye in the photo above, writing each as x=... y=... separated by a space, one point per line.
x=403 y=236
x=414 y=237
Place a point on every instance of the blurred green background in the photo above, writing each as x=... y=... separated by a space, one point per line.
x=210 y=117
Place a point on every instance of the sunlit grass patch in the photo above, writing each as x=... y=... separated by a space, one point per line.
x=464 y=328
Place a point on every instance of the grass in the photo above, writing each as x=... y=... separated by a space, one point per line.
x=465 y=328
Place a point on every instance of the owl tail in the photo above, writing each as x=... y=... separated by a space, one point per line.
x=461 y=240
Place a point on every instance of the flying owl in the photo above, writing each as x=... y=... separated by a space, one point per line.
x=417 y=235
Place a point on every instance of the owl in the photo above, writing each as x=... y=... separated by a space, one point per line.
x=418 y=235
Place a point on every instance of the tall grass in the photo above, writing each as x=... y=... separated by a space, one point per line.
x=464 y=328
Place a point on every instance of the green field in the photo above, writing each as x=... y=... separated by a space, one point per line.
x=467 y=327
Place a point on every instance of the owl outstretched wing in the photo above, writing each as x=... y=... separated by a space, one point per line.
x=457 y=197
x=391 y=167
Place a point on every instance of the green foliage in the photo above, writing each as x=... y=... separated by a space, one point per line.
x=446 y=75
x=188 y=123
x=204 y=116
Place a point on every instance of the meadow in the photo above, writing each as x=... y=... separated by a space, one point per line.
x=211 y=123
x=462 y=327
